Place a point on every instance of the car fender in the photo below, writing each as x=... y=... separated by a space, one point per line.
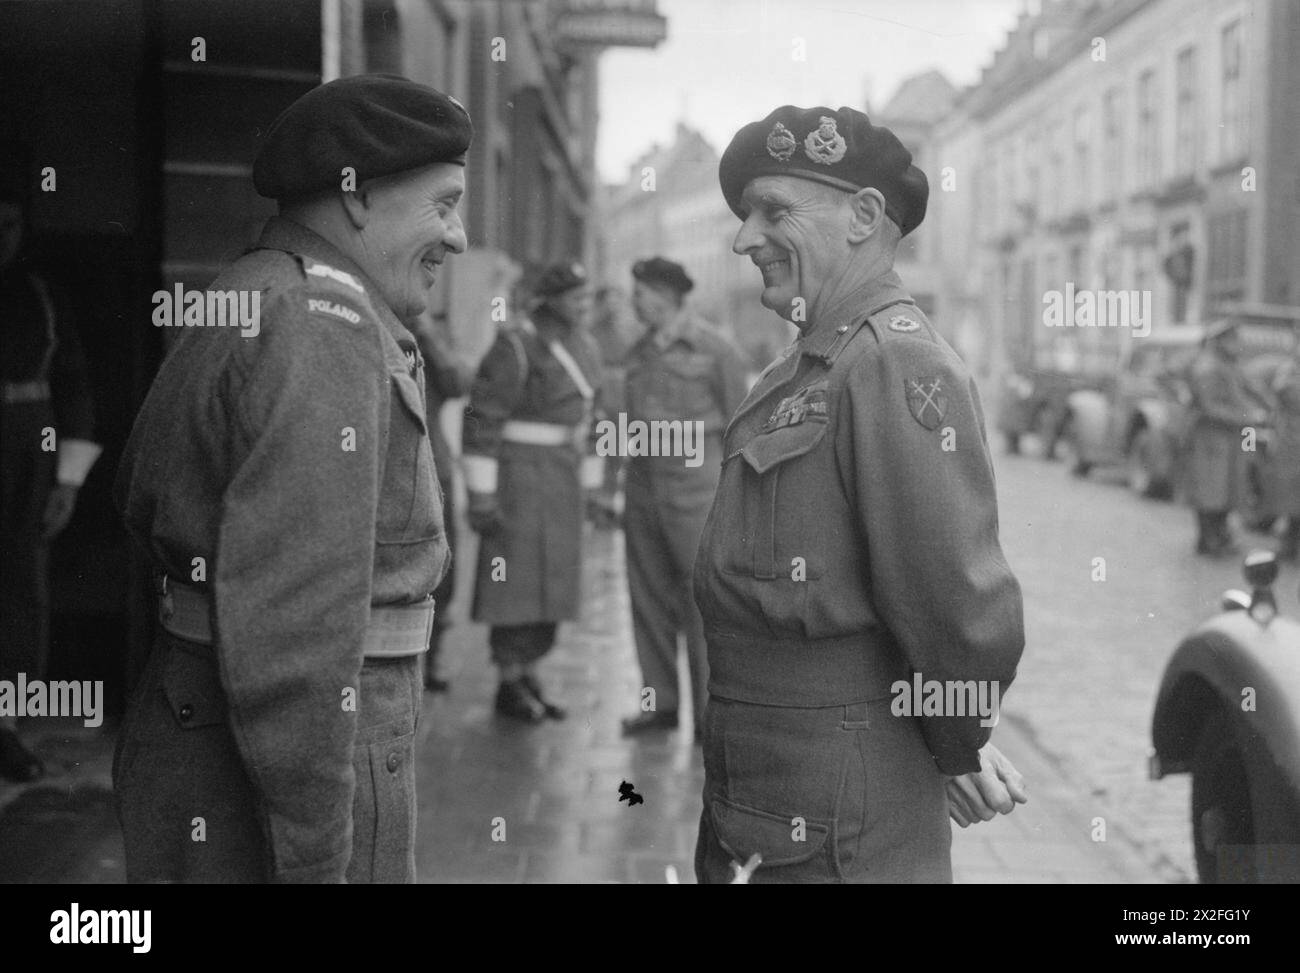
x=1212 y=667
x=1089 y=411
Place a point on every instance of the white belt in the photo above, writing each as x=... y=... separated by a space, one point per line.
x=539 y=433
x=37 y=391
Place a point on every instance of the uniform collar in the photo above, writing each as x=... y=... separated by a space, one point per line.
x=682 y=327
x=282 y=233
x=828 y=336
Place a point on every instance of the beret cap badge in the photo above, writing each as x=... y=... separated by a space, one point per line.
x=824 y=144
x=781 y=143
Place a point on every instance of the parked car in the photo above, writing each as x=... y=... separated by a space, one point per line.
x=1138 y=419
x=1033 y=402
x=1228 y=712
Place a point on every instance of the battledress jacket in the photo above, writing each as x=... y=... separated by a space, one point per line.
x=296 y=465
x=853 y=540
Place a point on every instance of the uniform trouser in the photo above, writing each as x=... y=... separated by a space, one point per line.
x=521 y=644
x=828 y=794
x=662 y=532
x=26 y=476
x=177 y=761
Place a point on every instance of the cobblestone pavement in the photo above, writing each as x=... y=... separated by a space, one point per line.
x=1096 y=649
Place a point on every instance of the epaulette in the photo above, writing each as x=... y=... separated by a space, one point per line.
x=902 y=318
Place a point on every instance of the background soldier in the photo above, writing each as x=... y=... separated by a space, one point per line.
x=1286 y=455
x=680 y=370
x=527 y=461
x=1220 y=410
x=284 y=486
x=43 y=385
x=853 y=540
x=446 y=376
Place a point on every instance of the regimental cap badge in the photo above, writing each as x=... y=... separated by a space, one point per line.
x=901 y=322
x=781 y=143
x=824 y=144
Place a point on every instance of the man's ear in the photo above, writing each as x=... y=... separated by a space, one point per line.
x=357 y=204
x=867 y=213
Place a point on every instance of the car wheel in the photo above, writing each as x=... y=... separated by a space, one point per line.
x=1221 y=808
x=1143 y=477
x=1067 y=447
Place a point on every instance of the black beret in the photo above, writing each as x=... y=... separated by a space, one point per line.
x=558 y=278
x=379 y=124
x=838 y=148
x=663 y=272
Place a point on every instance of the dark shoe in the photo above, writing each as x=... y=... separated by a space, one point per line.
x=552 y=711
x=515 y=701
x=650 y=722
x=435 y=685
x=17 y=763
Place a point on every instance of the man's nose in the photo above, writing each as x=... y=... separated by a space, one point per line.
x=455 y=240
x=748 y=238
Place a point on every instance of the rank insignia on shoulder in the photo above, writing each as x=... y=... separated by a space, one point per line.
x=342 y=276
x=901 y=322
x=411 y=359
x=926 y=399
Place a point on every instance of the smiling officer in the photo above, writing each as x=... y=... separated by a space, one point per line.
x=853 y=538
x=284 y=489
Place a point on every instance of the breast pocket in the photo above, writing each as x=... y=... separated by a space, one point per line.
x=409 y=505
x=780 y=534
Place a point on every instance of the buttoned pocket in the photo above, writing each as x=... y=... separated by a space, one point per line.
x=191 y=685
x=384 y=806
x=792 y=849
x=409 y=506
x=780 y=536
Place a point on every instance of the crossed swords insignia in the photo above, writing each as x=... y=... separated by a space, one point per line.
x=927 y=398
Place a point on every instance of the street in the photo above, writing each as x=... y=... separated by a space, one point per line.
x=504 y=802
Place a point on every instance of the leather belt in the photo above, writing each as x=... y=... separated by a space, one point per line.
x=393 y=631
x=541 y=433
x=15 y=392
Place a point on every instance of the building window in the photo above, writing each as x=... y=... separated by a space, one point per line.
x=1112 y=141
x=1082 y=160
x=1148 y=130
x=1232 y=125
x=1187 y=129
x=1226 y=260
x=382 y=35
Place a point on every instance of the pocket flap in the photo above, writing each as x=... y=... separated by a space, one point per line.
x=409 y=392
x=742 y=831
x=768 y=449
x=192 y=686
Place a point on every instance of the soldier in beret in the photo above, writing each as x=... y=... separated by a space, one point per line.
x=528 y=461
x=853 y=541
x=282 y=484
x=683 y=371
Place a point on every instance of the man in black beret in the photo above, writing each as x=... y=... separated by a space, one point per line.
x=852 y=548
x=683 y=377
x=280 y=478
x=528 y=456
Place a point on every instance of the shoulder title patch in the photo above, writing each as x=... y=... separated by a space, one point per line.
x=926 y=400
x=334 y=309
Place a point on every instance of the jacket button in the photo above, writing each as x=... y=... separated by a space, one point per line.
x=393 y=761
x=187 y=713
